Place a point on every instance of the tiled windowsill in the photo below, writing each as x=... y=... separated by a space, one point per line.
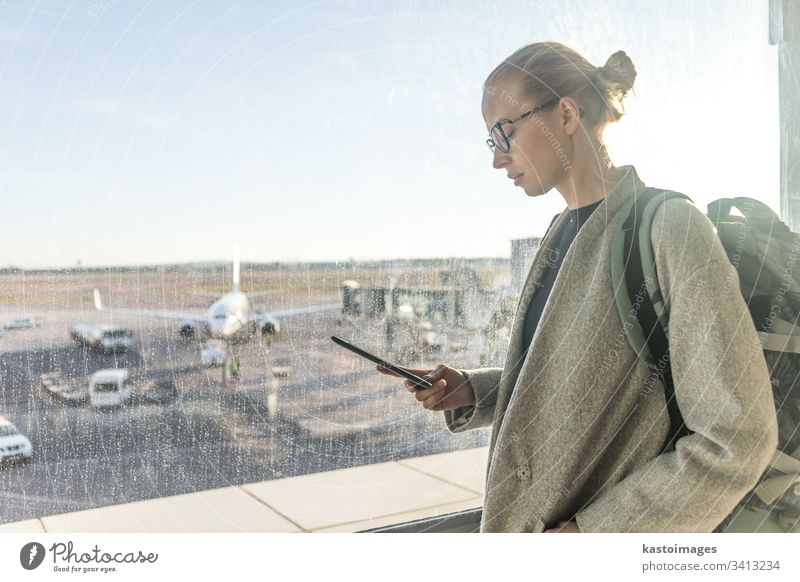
x=345 y=500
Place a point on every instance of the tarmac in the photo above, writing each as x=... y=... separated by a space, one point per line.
x=323 y=409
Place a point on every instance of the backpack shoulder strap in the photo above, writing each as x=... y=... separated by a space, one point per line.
x=638 y=297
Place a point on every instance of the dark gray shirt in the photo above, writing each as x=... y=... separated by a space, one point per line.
x=577 y=218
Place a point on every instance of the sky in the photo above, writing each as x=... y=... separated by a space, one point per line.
x=161 y=132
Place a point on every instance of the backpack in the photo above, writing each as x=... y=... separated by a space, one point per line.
x=763 y=250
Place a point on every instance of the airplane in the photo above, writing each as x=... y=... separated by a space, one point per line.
x=230 y=315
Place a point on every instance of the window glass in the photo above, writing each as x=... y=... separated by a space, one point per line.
x=317 y=170
x=7 y=430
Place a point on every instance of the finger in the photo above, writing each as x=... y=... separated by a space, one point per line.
x=422 y=394
x=435 y=374
x=414 y=371
x=435 y=401
x=414 y=388
x=431 y=376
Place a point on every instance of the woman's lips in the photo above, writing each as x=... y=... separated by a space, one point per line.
x=517 y=179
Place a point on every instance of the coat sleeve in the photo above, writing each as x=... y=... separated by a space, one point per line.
x=485 y=382
x=722 y=388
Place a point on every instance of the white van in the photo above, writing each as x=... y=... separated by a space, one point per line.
x=110 y=387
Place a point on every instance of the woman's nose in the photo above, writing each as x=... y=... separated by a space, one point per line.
x=500 y=159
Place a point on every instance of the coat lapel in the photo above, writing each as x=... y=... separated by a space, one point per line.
x=589 y=240
x=515 y=354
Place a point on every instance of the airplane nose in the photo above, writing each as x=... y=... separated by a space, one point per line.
x=226 y=325
x=231 y=324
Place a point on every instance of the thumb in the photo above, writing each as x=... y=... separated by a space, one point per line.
x=437 y=373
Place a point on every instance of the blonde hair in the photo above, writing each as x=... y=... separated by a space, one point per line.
x=551 y=69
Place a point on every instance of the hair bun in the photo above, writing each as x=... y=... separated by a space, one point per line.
x=619 y=70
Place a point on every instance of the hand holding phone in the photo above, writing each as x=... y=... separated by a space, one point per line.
x=416 y=380
x=451 y=388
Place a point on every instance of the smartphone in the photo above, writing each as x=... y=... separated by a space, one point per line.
x=419 y=382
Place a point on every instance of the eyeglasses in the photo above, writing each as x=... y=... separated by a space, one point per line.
x=498 y=138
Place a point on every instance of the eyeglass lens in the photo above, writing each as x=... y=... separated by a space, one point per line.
x=499 y=139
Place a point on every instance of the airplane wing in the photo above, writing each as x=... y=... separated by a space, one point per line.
x=270 y=293
x=296 y=311
x=208 y=294
x=193 y=317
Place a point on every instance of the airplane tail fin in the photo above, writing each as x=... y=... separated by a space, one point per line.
x=98 y=302
x=236 y=268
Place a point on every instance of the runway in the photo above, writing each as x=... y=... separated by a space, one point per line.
x=333 y=411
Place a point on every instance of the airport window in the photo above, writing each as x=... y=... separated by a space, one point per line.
x=206 y=193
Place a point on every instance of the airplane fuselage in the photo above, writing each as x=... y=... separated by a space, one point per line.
x=229 y=315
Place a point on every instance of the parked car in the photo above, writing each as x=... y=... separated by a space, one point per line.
x=14 y=446
x=158 y=390
x=23 y=323
x=105 y=338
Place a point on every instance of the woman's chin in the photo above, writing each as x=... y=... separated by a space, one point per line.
x=533 y=193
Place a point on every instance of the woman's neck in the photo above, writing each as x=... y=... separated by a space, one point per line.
x=582 y=187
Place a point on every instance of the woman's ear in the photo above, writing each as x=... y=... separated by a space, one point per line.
x=569 y=115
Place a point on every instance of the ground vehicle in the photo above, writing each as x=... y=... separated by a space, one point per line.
x=212 y=354
x=159 y=390
x=13 y=444
x=57 y=387
x=106 y=338
x=23 y=323
x=110 y=387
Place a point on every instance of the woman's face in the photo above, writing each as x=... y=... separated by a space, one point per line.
x=538 y=157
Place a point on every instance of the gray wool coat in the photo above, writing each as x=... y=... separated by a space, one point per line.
x=578 y=422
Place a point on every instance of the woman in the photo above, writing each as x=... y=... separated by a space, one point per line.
x=578 y=422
